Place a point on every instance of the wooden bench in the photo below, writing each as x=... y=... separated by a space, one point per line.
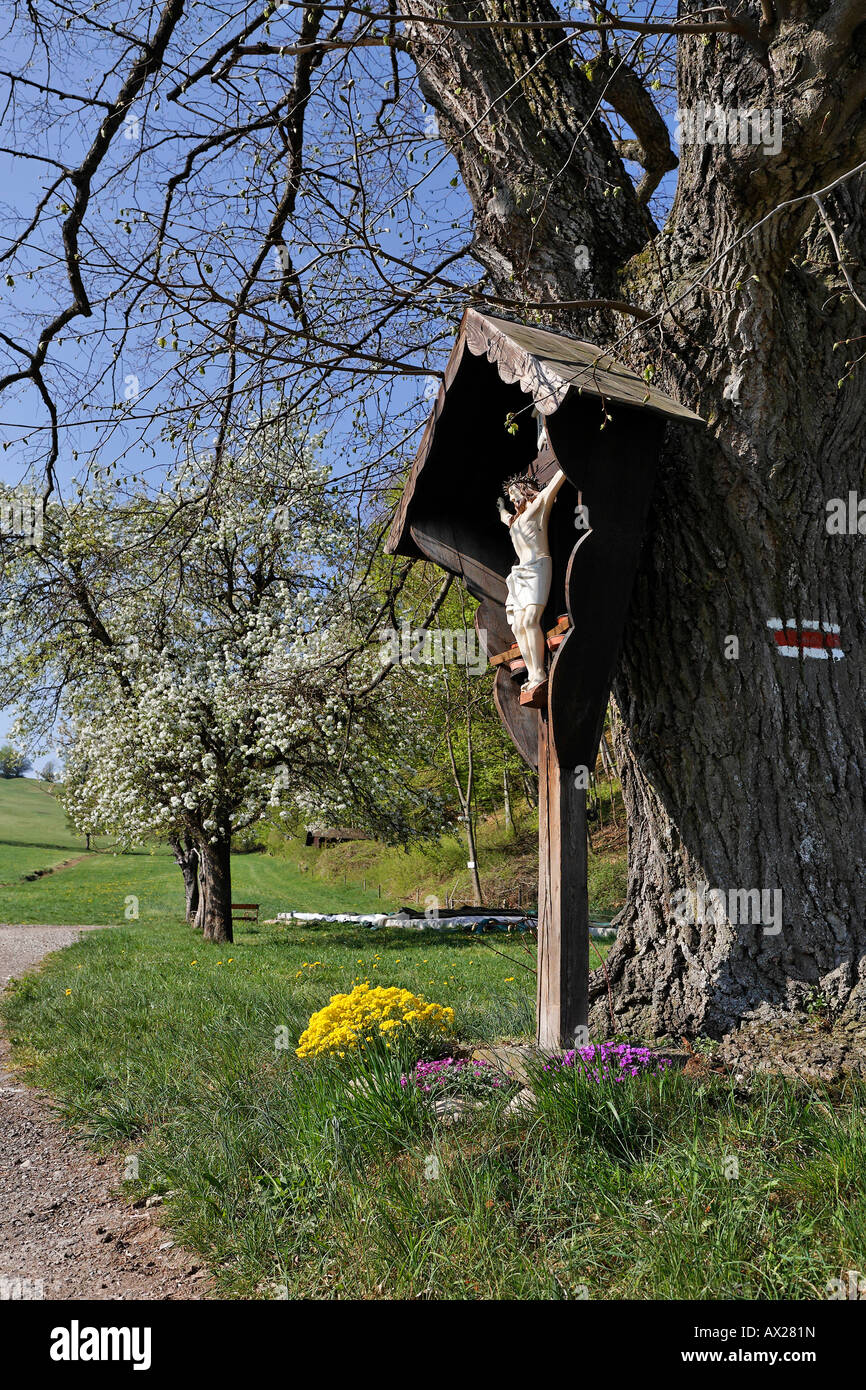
x=245 y=912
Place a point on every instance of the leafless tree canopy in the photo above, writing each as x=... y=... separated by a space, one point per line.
x=211 y=203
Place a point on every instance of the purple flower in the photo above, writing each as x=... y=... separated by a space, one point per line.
x=454 y=1073
x=604 y=1062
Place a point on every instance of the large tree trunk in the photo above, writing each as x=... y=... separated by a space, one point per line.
x=215 y=916
x=743 y=771
x=744 y=768
x=187 y=858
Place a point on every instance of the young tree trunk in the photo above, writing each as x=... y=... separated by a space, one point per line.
x=187 y=858
x=473 y=859
x=610 y=774
x=216 y=890
x=198 y=920
x=743 y=768
x=464 y=797
x=192 y=891
x=506 y=796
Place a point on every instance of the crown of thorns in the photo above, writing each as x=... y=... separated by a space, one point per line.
x=521 y=480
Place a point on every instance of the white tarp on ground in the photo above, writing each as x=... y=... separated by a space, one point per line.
x=468 y=921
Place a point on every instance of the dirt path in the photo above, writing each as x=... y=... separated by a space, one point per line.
x=60 y=1222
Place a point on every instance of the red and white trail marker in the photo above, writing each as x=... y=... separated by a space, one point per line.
x=810 y=638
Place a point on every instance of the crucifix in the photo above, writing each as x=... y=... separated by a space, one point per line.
x=528 y=583
x=559 y=442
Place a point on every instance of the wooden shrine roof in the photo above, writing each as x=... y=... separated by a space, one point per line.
x=547 y=367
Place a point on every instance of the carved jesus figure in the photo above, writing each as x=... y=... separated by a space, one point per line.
x=528 y=583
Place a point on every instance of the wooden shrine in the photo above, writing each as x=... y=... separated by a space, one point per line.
x=604 y=429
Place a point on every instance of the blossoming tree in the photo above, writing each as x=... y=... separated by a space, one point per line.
x=208 y=649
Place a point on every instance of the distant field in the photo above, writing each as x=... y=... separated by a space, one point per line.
x=98 y=889
x=34 y=835
x=30 y=814
x=33 y=830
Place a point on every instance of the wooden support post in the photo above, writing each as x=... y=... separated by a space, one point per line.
x=563 y=905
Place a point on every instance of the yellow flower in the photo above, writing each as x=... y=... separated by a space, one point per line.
x=69 y=991
x=349 y=1020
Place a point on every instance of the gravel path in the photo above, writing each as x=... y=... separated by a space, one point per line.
x=60 y=1220
x=21 y=947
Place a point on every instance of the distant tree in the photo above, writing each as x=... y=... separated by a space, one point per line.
x=48 y=774
x=13 y=763
x=74 y=828
x=209 y=651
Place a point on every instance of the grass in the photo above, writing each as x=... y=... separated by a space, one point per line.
x=97 y=889
x=160 y=1046
x=100 y=887
x=30 y=814
x=33 y=830
x=508 y=865
x=34 y=835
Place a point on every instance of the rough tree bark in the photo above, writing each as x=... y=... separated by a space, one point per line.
x=187 y=859
x=215 y=876
x=740 y=771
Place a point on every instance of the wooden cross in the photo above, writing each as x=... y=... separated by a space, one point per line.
x=604 y=430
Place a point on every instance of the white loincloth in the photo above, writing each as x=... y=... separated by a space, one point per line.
x=528 y=585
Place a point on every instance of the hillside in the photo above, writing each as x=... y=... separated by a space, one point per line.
x=508 y=866
x=33 y=830
x=362 y=875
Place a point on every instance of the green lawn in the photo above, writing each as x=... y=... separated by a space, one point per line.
x=34 y=835
x=181 y=1053
x=165 y=1048
x=97 y=890
x=30 y=814
x=33 y=830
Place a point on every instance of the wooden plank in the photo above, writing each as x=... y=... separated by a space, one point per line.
x=563 y=907
x=519 y=722
x=451 y=543
x=502 y=658
x=537 y=356
x=615 y=472
x=554 y=637
x=536 y=698
x=492 y=626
